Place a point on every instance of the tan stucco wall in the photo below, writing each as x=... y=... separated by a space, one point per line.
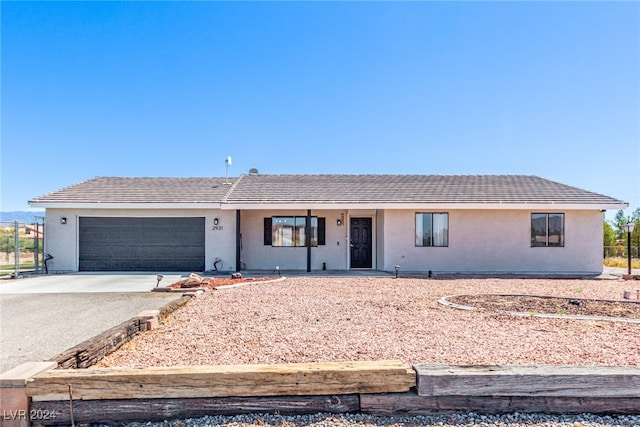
x=257 y=256
x=495 y=241
x=380 y=239
x=479 y=241
x=61 y=240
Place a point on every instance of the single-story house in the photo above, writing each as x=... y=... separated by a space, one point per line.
x=439 y=223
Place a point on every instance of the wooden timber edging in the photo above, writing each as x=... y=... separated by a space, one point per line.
x=115 y=411
x=169 y=308
x=410 y=403
x=296 y=379
x=378 y=388
x=528 y=381
x=89 y=352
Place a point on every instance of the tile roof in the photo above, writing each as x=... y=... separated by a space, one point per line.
x=283 y=189
x=140 y=190
x=408 y=189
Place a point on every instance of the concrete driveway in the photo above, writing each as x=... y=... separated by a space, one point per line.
x=41 y=317
x=87 y=282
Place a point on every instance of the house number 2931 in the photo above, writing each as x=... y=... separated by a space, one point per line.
x=217 y=227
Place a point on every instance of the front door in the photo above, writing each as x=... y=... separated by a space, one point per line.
x=361 y=248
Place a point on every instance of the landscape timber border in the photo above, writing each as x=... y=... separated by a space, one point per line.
x=89 y=352
x=391 y=387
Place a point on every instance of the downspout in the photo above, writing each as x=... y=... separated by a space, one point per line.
x=307 y=232
x=238 y=240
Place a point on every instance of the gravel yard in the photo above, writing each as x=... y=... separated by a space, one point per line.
x=361 y=420
x=314 y=319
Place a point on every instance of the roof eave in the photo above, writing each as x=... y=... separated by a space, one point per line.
x=293 y=205
x=125 y=205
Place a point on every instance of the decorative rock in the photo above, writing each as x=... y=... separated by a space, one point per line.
x=193 y=281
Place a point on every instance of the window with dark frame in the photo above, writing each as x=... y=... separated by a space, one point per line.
x=290 y=231
x=547 y=230
x=432 y=229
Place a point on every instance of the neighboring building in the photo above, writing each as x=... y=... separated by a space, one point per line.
x=442 y=223
x=33 y=230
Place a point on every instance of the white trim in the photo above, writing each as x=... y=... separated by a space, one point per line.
x=333 y=205
x=418 y=206
x=142 y=206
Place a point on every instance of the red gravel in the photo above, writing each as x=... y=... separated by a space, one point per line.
x=310 y=319
x=212 y=282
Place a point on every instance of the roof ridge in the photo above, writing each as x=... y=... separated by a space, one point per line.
x=232 y=187
x=157 y=177
x=393 y=174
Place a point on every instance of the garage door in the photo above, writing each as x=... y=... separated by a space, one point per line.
x=141 y=244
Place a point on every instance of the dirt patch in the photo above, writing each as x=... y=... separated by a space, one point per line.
x=550 y=305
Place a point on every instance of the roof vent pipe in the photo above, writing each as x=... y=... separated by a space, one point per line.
x=253 y=171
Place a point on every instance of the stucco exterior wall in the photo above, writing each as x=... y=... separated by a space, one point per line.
x=257 y=256
x=380 y=239
x=61 y=240
x=220 y=240
x=495 y=241
x=479 y=241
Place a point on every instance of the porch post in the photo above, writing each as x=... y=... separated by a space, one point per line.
x=307 y=233
x=238 y=240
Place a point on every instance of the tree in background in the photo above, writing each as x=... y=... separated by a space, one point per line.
x=618 y=224
x=6 y=242
x=609 y=234
x=635 y=236
x=618 y=228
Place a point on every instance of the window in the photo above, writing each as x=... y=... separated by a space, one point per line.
x=290 y=231
x=284 y=231
x=432 y=229
x=547 y=229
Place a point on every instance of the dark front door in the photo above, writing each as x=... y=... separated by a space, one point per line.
x=361 y=250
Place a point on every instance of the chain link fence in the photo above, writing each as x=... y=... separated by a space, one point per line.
x=21 y=248
x=621 y=252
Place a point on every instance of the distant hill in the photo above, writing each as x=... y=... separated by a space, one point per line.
x=26 y=217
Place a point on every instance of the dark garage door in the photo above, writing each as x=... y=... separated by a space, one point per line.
x=141 y=244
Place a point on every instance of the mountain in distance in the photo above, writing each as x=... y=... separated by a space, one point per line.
x=24 y=217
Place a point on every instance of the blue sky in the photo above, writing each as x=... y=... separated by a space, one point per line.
x=171 y=89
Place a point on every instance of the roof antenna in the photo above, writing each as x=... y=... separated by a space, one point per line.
x=227 y=163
